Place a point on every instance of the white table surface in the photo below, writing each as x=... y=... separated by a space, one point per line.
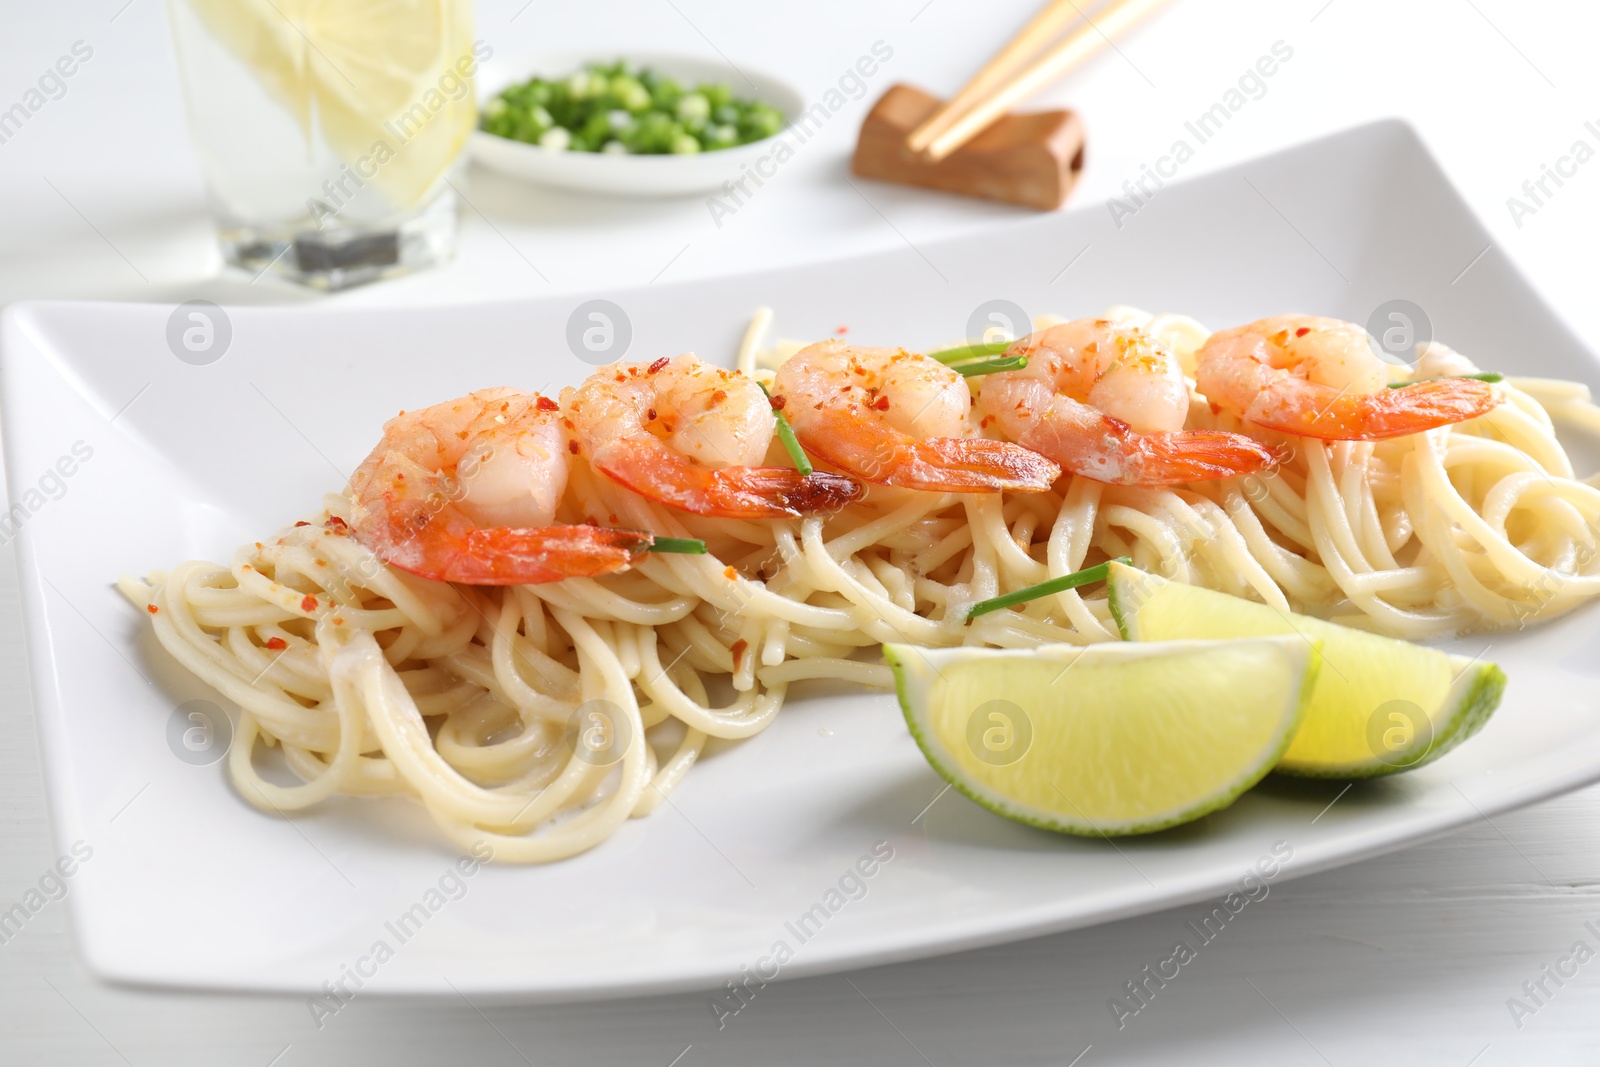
x=1405 y=959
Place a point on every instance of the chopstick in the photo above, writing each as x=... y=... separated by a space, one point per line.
x=991 y=100
x=1043 y=26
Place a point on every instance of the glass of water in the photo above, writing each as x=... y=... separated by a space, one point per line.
x=330 y=129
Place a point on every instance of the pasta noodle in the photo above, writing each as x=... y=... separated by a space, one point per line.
x=539 y=718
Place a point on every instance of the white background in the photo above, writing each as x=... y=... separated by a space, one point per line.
x=1405 y=959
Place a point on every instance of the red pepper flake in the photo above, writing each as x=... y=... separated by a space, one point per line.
x=881 y=404
x=621 y=377
x=730 y=574
x=1302 y=331
x=544 y=403
x=650 y=416
x=338 y=620
x=658 y=365
x=334 y=520
x=152 y=609
x=777 y=403
x=842 y=330
x=613 y=520
x=277 y=644
x=302 y=522
x=308 y=603
x=719 y=396
x=572 y=446
x=738 y=649
x=567 y=422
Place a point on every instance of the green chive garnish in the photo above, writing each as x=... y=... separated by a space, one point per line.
x=687 y=545
x=1486 y=377
x=791 y=444
x=990 y=366
x=956 y=355
x=1087 y=576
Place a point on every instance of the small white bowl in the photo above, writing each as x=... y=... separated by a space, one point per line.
x=653 y=175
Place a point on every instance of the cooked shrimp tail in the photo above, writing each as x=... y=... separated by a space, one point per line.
x=1184 y=456
x=650 y=468
x=936 y=464
x=439 y=542
x=1376 y=416
x=1106 y=449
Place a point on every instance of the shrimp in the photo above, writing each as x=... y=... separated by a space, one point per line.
x=692 y=436
x=1108 y=402
x=1317 y=377
x=465 y=491
x=894 y=417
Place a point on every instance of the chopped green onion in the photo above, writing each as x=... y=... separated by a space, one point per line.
x=1486 y=377
x=956 y=355
x=990 y=366
x=687 y=545
x=616 y=109
x=791 y=444
x=1087 y=576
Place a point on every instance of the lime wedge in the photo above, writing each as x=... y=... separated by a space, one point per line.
x=1380 y=705
x=1105 y=739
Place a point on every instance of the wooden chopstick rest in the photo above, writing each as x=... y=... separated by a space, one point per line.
x=1030 y=159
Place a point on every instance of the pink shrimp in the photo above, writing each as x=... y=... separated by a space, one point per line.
x=693 y=436
x=1109 y=403
x=1317 y=377
x=898 y=418
x=465 y=491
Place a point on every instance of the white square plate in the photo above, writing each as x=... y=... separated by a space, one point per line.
x=189 y=886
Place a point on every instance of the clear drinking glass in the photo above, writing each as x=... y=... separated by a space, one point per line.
x=329 y=129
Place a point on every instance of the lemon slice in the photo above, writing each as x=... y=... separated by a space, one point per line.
x=362 y=74
x=1105 y=739
x=1381 y=705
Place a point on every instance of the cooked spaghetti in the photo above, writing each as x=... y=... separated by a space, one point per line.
x=539 y=717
